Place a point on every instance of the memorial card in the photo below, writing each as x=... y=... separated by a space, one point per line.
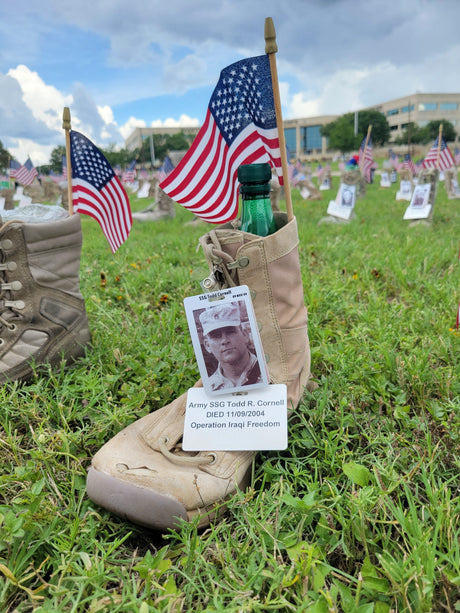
x=226 y=341
x=419 y=207
x=343 y=205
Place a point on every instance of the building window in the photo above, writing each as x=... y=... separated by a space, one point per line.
x=394 y=128
x=290 y=138
x=427 y=106
x=407 y=108
x=448 y=106
x=310 y=139
x=392 y=112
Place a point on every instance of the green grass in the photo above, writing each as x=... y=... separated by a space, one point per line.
x=360 y=513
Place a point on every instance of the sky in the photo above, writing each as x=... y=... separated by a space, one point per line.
x=119 y=64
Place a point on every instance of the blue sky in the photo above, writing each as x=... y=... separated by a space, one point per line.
x=119 y=65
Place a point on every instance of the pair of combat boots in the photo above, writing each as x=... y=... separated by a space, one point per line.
x=142 y=474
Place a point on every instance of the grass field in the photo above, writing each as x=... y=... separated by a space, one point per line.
x=360 y=514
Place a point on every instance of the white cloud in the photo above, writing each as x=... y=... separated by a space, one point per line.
x=129 y=126
x=45 y=101
x=24 y=147
x=183 y=121
x=106 y=113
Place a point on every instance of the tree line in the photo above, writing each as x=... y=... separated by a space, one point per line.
x=162 y=143
x=340 y=133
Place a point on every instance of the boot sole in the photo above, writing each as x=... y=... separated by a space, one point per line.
x=146 y=508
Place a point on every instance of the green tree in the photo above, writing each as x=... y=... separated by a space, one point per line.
x=56 y=159
x=341 y=131
x=415 y=135
x=380 y=127
x=4 y=158
x=448 y=130
x=340 y=134
x=162 y=143
x=119 y=157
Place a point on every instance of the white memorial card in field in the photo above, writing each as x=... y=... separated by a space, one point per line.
x=344 y=203
x=419 y=207
x=405 y=190
x=385 y=179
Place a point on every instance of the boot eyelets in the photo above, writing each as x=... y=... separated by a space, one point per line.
x=213 y=457
x=12 y=327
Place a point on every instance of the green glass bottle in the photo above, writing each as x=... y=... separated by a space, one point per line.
x=257 y=215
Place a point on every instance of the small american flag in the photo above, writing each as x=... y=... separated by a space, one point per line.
x=130 y=173
x=98 y=192
x=408 y=163
x=445 y=156
x=165 y=169
x=64 y=167
x=366 y=161
x=239 y=128
x=457 y=156
x=14 y=167
x=24 y=174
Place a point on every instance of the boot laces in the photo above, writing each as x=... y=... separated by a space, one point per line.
x=223 y=273
x=8 y=306
x=178 y=458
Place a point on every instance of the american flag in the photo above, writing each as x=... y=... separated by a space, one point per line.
x=24 y=174
x=366 y=161
x=165 y=169
x=98 y=192
x=457 y=156
x=239 y=128
x=64 y=167
x=14 y=167
x=130 y=173
x=394 y=160
x=408 y=163
x=445 y=156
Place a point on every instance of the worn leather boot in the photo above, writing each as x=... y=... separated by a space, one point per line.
x=42 y=312
x=142 y=474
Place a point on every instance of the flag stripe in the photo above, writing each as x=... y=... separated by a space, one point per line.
x=446 y=159
x=90 y=201
x=213 y=167
x=98 y=192
x=24 y=174
x=239 y=128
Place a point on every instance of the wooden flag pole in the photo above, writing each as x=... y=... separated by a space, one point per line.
x=439 y=146
x=270 y=49
x=67 y=127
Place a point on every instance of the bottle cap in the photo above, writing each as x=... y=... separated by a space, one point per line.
x=254 y=173
x=254 y=178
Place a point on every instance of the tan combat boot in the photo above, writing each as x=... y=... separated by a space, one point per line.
x=42 y=312
x=142 y=474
